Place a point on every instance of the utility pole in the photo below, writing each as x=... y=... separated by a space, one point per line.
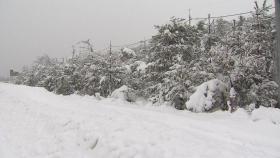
x=110 y=69
x=209 y=23
x=258 y=21
x=234 y=26
x=213 y=23
x=145 y=46
x=277 y=51
x=73 y=51
x=257 y=14
x=209 y=35
x=190 y=18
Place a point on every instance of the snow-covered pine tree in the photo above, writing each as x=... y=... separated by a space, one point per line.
x=253 y=73
x=174 y=46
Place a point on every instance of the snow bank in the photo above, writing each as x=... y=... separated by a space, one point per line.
x=271 y=115
x=35 y=123
x=208 y=95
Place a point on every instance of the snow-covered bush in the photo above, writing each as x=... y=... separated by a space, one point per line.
x=124 y=93
x=63 y=86
x=208 y=96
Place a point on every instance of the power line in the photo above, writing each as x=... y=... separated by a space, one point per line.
x=126 y=45
x=230 y=15
x=130 y=44
x=197 y=18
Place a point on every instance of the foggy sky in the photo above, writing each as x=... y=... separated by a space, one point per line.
x=30 y=28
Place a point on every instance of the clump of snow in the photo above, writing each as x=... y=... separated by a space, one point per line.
x=167 y=32
x=141 y=66
x=208 y=95
x=124 y=93
x=128 y=52
x=102 y=79
x=232 y=92
x=128 y=68
x=250 y=107
x=98 y=97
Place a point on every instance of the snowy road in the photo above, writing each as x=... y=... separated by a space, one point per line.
x=37 y=124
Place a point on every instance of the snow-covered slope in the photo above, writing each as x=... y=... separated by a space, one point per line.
x=37 y=124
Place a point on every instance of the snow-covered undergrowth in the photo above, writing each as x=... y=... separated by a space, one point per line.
x=35 y=123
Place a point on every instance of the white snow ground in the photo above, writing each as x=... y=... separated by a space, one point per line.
x=35 y=123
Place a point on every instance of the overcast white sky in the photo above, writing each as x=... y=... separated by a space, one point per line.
x=30 y=28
